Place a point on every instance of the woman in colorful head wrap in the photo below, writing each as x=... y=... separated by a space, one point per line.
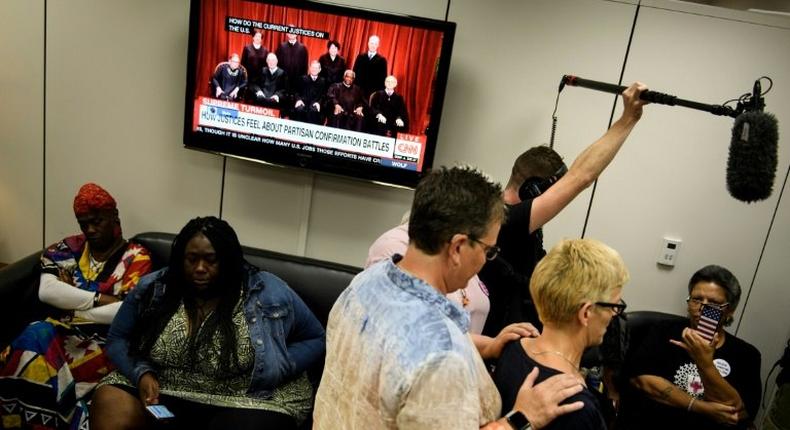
x=48 y=371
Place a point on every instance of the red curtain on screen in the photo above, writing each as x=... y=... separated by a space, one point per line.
x=412 y=54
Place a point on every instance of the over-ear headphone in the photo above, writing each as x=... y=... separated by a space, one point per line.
x=535 y=185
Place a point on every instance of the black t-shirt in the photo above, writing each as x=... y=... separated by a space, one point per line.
x=513 y=367
x=507 y=277
x=737 y=361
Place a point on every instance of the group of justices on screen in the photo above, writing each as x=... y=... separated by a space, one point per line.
x=323 y=91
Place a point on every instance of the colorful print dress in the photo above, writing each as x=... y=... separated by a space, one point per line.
x=48 y=371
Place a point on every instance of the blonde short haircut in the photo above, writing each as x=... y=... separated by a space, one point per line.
x=575 y=271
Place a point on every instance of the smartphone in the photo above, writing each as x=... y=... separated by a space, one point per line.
x=709 y=321
x=160 y=412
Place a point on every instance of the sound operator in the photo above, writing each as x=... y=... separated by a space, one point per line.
x=538 y=189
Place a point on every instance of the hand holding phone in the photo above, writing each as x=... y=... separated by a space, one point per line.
x=699 y=341
x=160 y=412
x=149 y=389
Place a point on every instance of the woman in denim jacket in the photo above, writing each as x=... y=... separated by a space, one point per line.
x=218 y=342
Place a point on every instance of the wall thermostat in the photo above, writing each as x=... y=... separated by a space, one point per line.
x=669 y=251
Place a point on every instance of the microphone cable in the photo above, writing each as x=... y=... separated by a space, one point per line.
x=781 y=362
x=746 y=101
x=554 y=119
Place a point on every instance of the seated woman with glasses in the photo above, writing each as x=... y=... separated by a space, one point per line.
x=685 y=379
x=577 y=289
x=473 y=298
x=219 y=342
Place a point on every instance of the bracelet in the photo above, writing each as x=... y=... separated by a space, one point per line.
x=691 y=403
x=96 y=299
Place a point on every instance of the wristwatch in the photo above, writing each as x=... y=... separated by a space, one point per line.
x=518 y=421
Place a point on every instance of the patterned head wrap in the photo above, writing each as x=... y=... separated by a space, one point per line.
x=92 y=197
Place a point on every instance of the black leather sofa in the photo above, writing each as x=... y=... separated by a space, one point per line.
x=639 y=325
x=317 y=282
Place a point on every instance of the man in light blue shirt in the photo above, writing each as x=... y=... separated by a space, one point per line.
x=399 y=353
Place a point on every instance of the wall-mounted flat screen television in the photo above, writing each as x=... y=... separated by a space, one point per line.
x=318 y=86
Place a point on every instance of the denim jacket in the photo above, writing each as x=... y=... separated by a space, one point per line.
x=286 y=336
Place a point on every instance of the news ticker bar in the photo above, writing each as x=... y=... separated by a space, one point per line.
x=263 y=125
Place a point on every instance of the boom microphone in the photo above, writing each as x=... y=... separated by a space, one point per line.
x=751 y=165
x=651 y=96
x=752 y=159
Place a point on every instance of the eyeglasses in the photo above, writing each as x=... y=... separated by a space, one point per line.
x=491 y=250
x=695 y=302
x=618 y=308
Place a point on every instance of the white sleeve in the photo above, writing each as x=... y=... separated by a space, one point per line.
x=61 y=295
x=102 y=314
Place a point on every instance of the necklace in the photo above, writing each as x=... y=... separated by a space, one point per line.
x=107 y=254
x=464 y=298
x=95 y=266
x=203 y=312
x=575 y=367
x=199 y=314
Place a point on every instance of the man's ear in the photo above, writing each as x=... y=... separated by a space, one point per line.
x=584 y=313
x=454 y=248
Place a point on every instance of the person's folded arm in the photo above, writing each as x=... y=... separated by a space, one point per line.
x=101 y=314
x=717 y=388
x=661 y=390
x=61 y=295
x=664 y=392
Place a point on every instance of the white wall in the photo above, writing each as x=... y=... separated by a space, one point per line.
x=21 y=133
x=114 y=114
x=115 y=92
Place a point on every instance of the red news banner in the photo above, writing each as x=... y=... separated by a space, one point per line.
x=256 y=124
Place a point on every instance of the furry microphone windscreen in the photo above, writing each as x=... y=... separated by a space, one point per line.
x=751 y=166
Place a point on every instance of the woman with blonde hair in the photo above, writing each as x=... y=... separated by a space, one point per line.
x=577 y=289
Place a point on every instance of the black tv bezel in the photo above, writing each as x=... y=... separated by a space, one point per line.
x=290 y=158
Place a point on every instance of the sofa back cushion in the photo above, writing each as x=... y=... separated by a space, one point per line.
x=317 y=282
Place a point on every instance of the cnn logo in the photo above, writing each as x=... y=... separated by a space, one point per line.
x=407 y=148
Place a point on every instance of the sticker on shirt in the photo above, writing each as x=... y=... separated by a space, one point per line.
x=723 y=367
x=482 y=287
x=687 y=377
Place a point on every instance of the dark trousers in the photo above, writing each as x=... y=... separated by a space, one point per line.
x=386 y=129
x=192 y=415
x=309 y=114
x=348 y=121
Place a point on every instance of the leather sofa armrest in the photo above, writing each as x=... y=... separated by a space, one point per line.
x=19 y=304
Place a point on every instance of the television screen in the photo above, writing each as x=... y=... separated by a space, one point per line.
x=311 y=85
